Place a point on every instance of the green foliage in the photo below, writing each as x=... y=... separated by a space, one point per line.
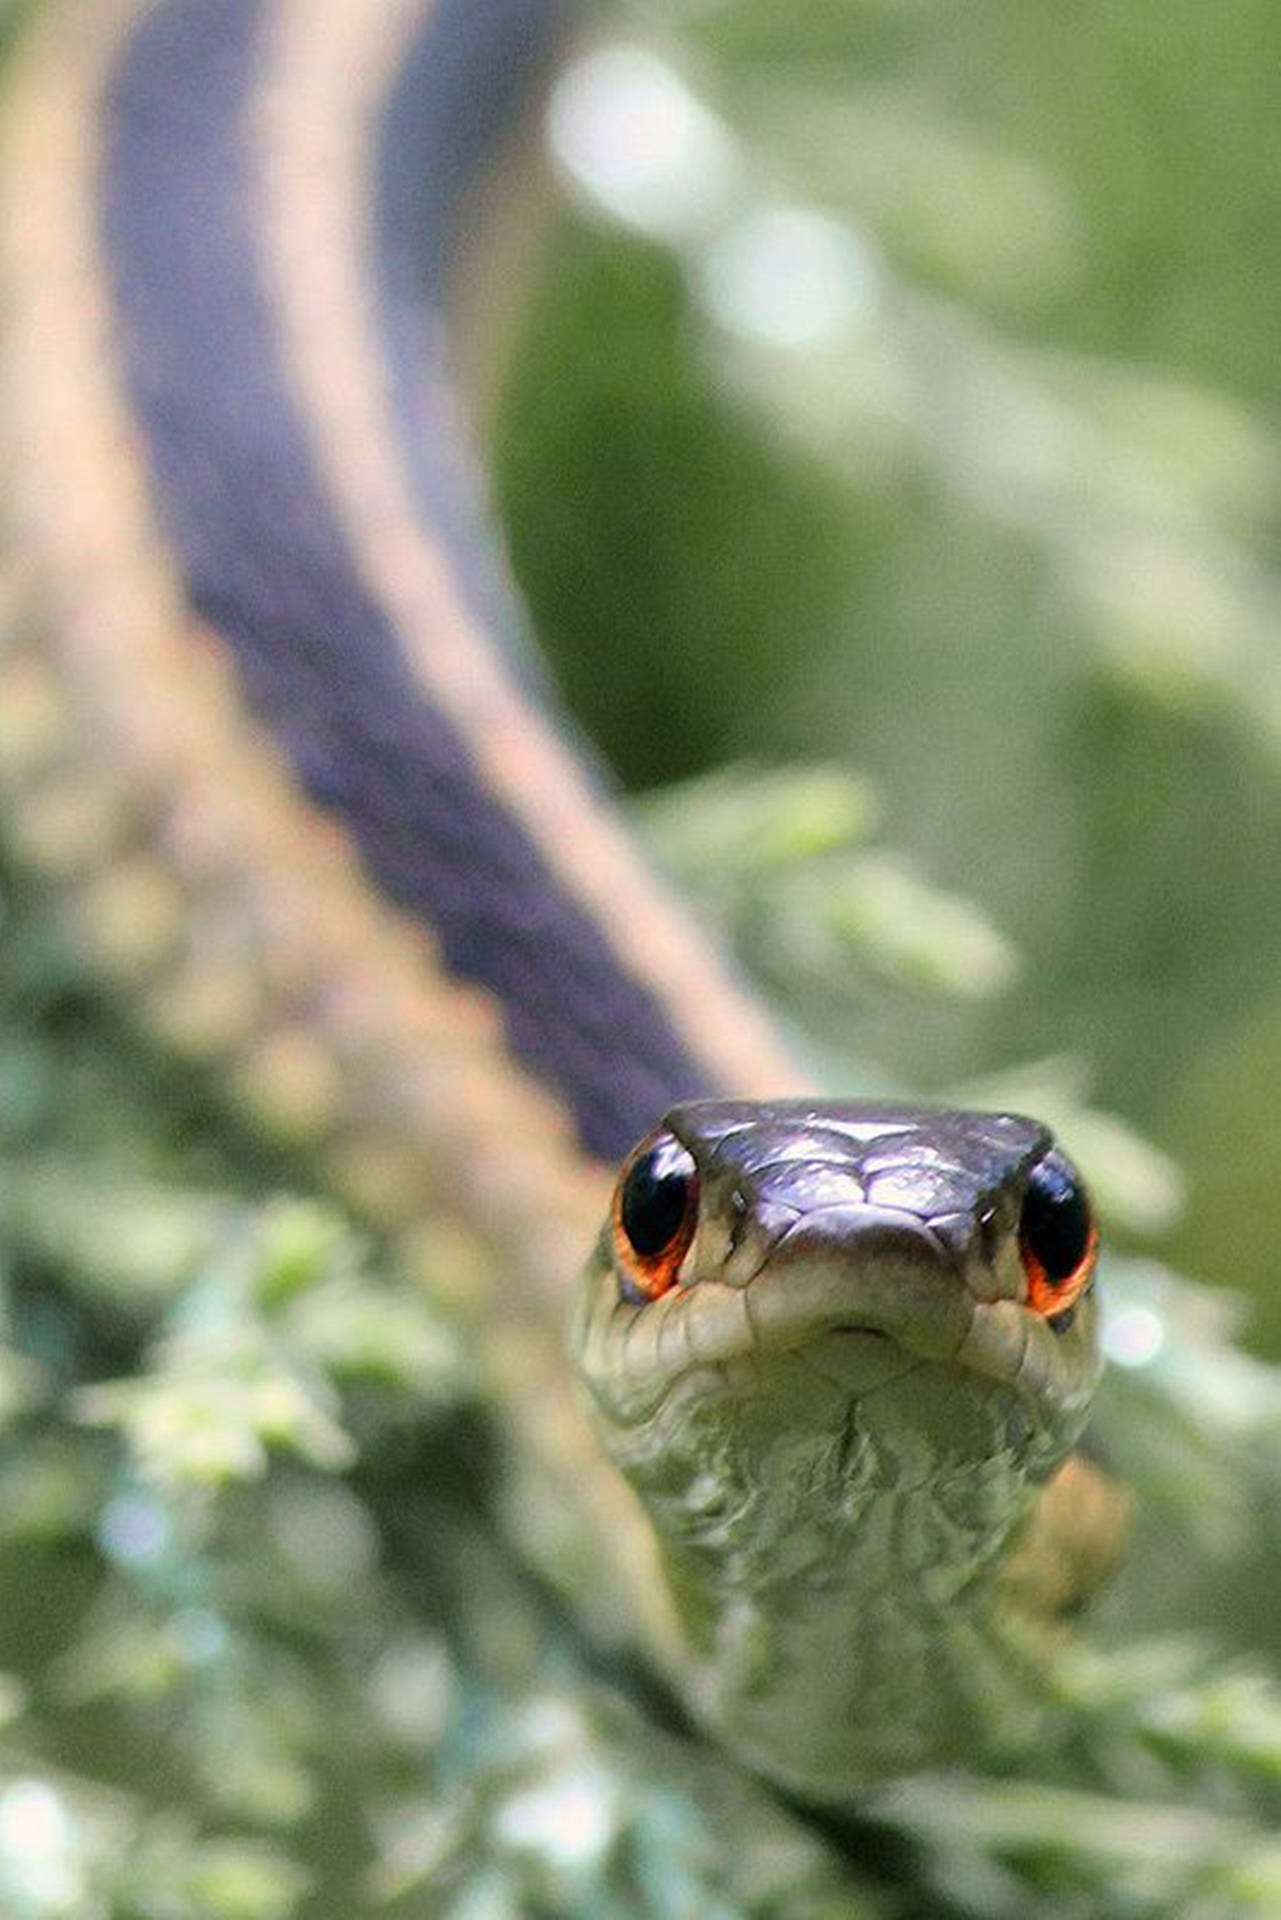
x=262 y=1650
x=1001 y=541
x=1007 y=552
x=266 y=1655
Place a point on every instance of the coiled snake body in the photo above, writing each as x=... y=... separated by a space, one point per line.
x=262 y=734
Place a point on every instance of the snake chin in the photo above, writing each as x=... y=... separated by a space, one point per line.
x=857 y=1361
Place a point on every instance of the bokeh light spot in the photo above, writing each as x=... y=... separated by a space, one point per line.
x=790 y=277
x=630 y=134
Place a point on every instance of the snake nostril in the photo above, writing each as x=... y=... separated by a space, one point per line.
x=739 y=1214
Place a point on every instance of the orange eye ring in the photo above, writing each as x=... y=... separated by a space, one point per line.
x=654 y=1213
x=1058 y=1238
x=1051 y=1297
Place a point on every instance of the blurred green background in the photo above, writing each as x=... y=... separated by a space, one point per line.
x=1000 y=536
x=886 y=446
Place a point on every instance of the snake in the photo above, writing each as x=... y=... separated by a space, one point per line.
x=789 y=1388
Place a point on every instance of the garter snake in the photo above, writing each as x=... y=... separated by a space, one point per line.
x=263 y=739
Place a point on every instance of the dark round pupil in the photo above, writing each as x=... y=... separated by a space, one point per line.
x=655 y=1196
x=1055 y=1226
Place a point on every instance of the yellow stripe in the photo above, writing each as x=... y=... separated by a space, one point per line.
x=421 y=1063
x=320 y=95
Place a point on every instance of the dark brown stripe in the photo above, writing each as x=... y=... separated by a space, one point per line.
x=267 y=565
x=457 y=89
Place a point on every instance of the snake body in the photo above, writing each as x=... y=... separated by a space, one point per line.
x=269 y=737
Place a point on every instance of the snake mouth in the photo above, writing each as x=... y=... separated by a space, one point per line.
x=879 y=1239
x=898 y=1300
x=857 y=1362
x=864 y=1295
x=799 y=1275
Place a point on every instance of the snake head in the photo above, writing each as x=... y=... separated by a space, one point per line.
x=741 y=1233
x=838 y=1350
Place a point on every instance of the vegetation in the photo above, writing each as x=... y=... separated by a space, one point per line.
x=984 y=581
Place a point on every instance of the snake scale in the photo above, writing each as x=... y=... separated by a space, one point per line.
x=268 y=735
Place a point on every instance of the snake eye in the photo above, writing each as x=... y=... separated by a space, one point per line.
x=655 y=1207
x=1057 y=1236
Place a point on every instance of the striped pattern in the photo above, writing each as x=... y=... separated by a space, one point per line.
x=257 y=290
x=298 y=539
x=259 y=722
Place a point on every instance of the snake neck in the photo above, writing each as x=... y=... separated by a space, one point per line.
x=844 y=1597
